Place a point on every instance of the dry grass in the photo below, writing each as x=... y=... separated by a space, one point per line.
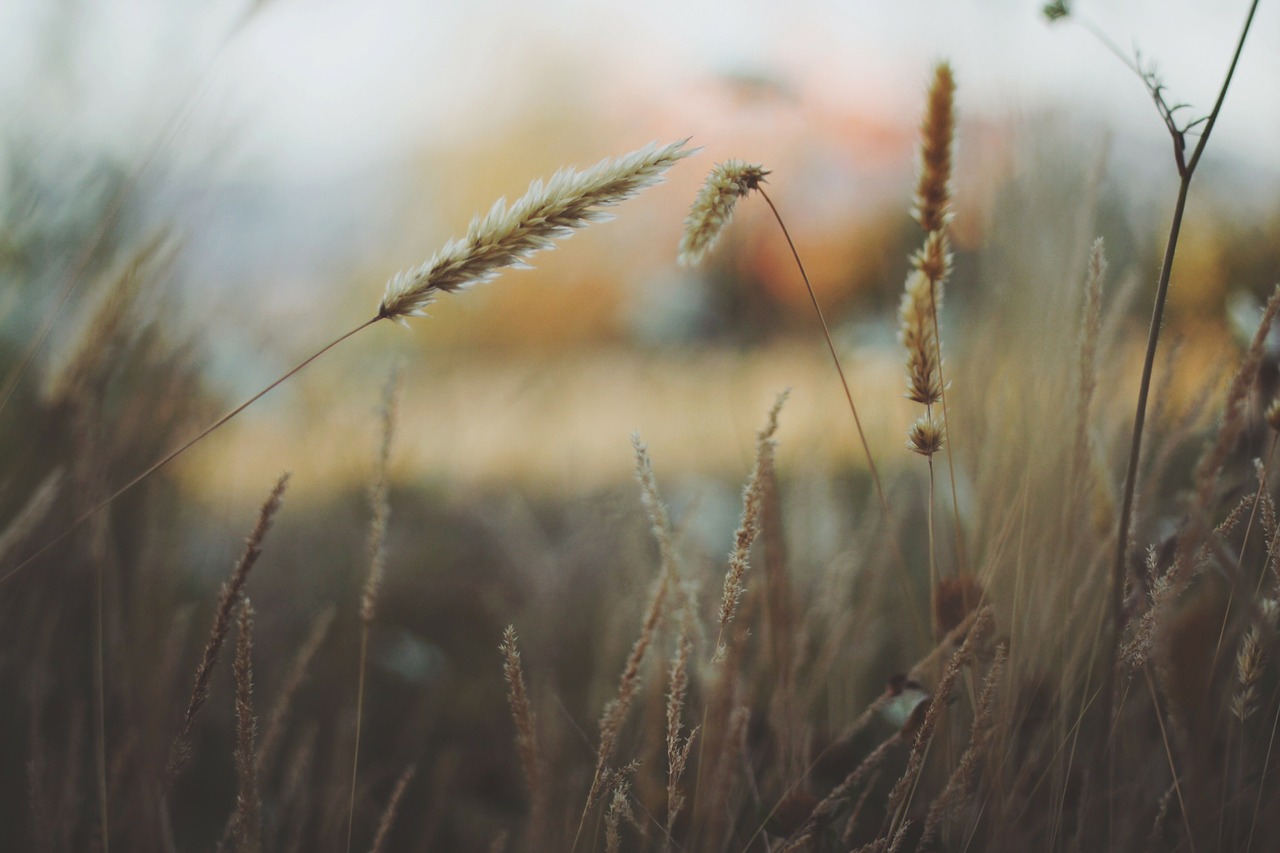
x=794 y=710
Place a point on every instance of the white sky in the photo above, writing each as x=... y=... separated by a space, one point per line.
x=309 y=87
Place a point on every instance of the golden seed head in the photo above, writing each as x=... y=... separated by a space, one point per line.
x=937 y=130
x=926 y=436
x=713 y=208
x=508 y=236
x=918 y=336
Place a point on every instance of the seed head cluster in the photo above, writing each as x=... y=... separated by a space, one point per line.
x=713 y=208
x=507 y=236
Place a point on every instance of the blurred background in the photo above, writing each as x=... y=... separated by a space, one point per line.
x=297 y=155
x=281 y=160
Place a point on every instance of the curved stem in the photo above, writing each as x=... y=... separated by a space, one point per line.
x=1222 y=93
x=172 y=455
x=1139 y=421
x=890 y=532
x=1157 y=317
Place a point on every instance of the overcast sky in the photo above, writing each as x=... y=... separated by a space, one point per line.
x=307 y=87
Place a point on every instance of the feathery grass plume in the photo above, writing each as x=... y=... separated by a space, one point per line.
x=1170 y=583
x=379 y=501
x=248 y=817
x=926 y=436
x=900 y=796
x=1233 y=415
x=380 y=511
x=1251 y=659
x=180 y=751
x=1087 y=379
x=521 y=712
x=713 y=208
x=937 y=131
x=980 y=733
x=389 y=813
x=827 y=806
x=507 y=236
x=619 y=807
x=615 y=711
x=749 y=528
x=101 y=342
x=677 y=747
x=919 y=337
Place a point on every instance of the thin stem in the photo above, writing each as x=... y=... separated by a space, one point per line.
x=1222 y=93
x=826 y=333
x=183 y=449
x=355 y=759
x=100 y=702
x=933 y=557
x=862 y=436
x=946 y=425
x=1153 y=337
x=1139 y=420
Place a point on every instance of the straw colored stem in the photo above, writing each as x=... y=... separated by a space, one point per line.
x=862 y=436
x=174 y=454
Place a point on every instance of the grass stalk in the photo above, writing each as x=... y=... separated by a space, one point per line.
x=1186 y=169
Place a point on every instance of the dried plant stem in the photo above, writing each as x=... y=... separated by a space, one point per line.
x=355 y=749
x=933 y=554
x=890 y=530
x=1186 y=169
x=523 y=717
x=174 y=454
x=376 y=553
x=831 y=347
x=749 y=528
x=389 y=813
x=180 y=751
x=100 y=702
x=615 y=711
x=946 y=427
x=248 y=817
x=504 y=238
